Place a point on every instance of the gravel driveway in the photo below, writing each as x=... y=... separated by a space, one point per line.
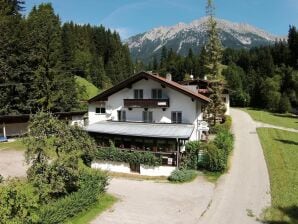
x=147 y=202
x=12 y=163
x=245 y=190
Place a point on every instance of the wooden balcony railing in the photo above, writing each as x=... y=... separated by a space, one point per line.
x=147 y=103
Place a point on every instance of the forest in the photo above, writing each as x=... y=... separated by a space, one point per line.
x=265 y=77
x=40 y=56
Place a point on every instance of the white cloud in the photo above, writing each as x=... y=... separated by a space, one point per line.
x=124 y=32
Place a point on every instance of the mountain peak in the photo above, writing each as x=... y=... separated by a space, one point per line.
x=182 y=36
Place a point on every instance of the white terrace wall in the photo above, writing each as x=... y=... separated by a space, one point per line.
x=125 y=168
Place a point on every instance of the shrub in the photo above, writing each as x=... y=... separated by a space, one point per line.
x=182 y=175
x=226 y=125
x=1 y=178
x=118 y=155
x=18 y=202
x=92 y=184
x=216 y=159
x=284 y=104
x=224 y=140
x=189 y=159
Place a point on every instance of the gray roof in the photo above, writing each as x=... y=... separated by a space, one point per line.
x=155 y=130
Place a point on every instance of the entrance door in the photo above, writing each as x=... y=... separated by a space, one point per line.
x=134 y=167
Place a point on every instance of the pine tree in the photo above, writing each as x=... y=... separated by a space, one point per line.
x=216 y=108
x=54 y=88
x=213 y=47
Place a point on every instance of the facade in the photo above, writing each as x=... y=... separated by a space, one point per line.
x=147 y=113
x=202 y=86
x=17 y=125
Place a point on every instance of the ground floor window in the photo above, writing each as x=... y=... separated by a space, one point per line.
x=176 y=117
x=121 y=115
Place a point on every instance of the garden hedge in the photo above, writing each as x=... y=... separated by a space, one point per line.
x=118 y=155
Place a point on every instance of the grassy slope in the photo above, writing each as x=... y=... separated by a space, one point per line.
x=105 y=202
x=16 y=145
x=281 y=153
x=283 y=120
x=91 y=90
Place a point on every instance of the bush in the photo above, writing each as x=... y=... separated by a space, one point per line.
x=182 y=175
x=18 y=202
x=216 y=159
x=189 y=159
x=224 y=140
x=226 y=125
x=118 y=155
x=92 y=184
x=284 y=104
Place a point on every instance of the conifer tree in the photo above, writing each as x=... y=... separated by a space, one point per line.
x=216 y=108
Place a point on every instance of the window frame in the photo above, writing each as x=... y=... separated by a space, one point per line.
x=176 y=117
x=121 y=115
x=157 y=92
x=102 y=110
x=138 y=94
x=148 y=116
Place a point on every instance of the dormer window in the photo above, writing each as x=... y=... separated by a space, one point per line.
x=156 y=94
x=138 y=94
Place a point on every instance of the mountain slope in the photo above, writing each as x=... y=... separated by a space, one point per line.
x=183 y=36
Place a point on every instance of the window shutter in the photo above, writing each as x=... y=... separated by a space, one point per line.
x=159 y=93
x=136 y=94
x=173 y=117
x=153 y=93
x=150 y=116
x=119 y=115
x=141 y=94
x=124 y=115
x=179 y=117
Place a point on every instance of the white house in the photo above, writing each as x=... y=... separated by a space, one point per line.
x=147 y=113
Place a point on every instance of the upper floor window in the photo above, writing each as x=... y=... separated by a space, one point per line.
x=148 y=116
x=156 y=93
x=177 y=117
x=121 y=115
x=138 y=94
x=100 y=110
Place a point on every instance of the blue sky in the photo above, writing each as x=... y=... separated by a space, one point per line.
x=130 y=17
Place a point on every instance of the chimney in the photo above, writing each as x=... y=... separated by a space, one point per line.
x=169 y=76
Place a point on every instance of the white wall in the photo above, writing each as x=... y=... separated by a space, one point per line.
x=77 y=120
x=157 y=171
x=125 y=168
x=111 y=166
x=178 y=102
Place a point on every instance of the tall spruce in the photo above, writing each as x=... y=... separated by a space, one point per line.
x=53 y=87
x=15 y=78
x=216 y=108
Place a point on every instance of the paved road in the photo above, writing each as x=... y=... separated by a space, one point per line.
x=245 y=189
x=147 y=202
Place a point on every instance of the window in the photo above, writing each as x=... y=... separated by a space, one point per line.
x=176 y=117
x=156 y=93
x=138 y=94
x=147 y=116
x=121 y=115
x=100 y=110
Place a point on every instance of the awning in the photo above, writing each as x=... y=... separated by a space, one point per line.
x=153 y=130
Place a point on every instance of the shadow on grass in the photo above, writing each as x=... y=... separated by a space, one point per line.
x=289 y=142
x=285 y=115
x=291 y=212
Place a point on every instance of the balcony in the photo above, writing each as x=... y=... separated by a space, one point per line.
x=146 y=103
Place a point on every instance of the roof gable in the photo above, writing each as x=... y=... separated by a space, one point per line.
x=144 y=75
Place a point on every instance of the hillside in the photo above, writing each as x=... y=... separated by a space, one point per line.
x=183 y=36
x=89 y=90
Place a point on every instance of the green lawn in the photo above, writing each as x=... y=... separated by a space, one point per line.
x=91 y=90
x=283 y=120
x=16 y=145
x=105 y=202
x=281 y=153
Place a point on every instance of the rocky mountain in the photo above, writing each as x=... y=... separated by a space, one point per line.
x=183 y=36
